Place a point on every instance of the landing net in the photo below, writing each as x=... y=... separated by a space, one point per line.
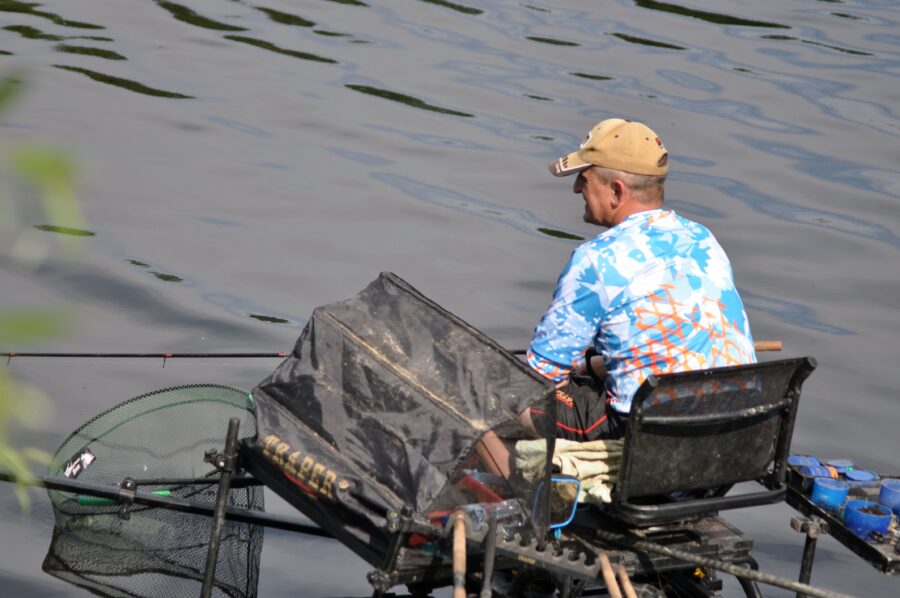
x=150 y=551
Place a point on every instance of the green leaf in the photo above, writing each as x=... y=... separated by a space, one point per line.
x=52 y=173
x=28 y=326
x=64 y=230
x=10 y=87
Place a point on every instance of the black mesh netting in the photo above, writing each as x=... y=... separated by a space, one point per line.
x=153 y=438
x=390 y=401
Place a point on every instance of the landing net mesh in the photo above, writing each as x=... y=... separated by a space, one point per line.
x=155 y=439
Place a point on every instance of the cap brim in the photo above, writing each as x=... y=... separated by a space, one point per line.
x=568 y=164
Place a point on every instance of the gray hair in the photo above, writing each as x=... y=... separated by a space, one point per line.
x=647 y=188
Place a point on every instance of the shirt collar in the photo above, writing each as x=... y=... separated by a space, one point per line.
x=642 y=217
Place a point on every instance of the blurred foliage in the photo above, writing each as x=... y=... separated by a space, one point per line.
x=32 y=178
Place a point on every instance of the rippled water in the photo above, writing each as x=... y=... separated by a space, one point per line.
x=242 y=163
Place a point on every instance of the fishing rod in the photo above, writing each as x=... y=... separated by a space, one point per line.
x=758 y=346
x=164 y=356
x=119 y=495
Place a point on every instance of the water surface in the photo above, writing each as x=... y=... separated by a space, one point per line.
x=244 y=162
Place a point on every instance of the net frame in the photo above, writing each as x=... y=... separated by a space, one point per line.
x=142 y=550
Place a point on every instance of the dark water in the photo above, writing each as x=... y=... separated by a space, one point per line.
x=242 y=163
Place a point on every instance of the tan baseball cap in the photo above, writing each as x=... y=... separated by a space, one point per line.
x=618 y=144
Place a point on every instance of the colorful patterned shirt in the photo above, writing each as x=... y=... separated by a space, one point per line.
x=653 y=295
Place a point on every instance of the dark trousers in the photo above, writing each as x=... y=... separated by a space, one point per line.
x=582 y=414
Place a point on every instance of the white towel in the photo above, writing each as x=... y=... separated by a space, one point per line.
x=595 y=464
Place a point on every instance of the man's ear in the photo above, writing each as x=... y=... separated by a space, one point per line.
x=618 y=190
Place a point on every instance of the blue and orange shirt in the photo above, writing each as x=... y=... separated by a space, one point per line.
x=653 y=295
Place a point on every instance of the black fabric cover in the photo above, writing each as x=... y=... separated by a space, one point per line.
x=711 y=428
x=379 y=406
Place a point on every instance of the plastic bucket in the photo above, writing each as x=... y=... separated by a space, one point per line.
x=818 y=471
x=890 y=494
x=803 y=461
x=862 y=478
x=865 y=524
x=829 y=493
x=842 y=465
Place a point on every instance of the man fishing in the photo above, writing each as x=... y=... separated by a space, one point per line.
x=653 y=294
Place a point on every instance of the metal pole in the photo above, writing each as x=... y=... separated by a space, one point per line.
x=382 y=579
x=745 y=572
x=490 y=548
x=172 y=503
x=812 y=527
x=225 y=464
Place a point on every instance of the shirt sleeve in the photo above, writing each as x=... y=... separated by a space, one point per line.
x=571 y=322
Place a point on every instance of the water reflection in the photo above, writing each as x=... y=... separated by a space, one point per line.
x=643 y=41
x=285 y=18
x=88 y=51
x=791 y=212
x=336 y=34
x=468 y=10
x=592 y=77
x=29 y=8
x=702 y=15
x=551 y=41
x=123 y=83
x=186 y=15
x=32 y=33
x=159 y=275
x=559 y=234
x=844 y=15
x=361 y=157
x=426 y=139
x=405 y=99
x=259 y=43
x=790 y=313
x=820 y=44
x=524 y=78
x=167 y=277
x=241 y=127
x=729 y=109
x=243 y=307
x=690 y=81
x=517 y=218
x=822 y=166
x=270 y=319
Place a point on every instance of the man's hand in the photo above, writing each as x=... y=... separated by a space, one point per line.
x=596 y=364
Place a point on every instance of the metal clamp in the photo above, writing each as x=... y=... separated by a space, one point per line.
x=813 y=527
x=127 y=488
x=399 y=525
x=222 y=462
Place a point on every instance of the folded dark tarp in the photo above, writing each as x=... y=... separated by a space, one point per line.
x=380 y=406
